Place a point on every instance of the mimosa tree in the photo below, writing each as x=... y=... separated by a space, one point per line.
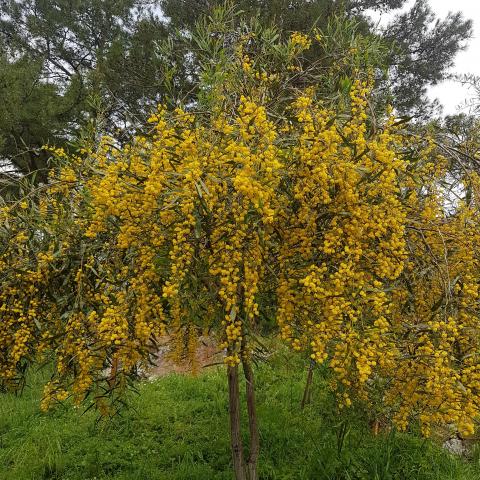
x=275 y=187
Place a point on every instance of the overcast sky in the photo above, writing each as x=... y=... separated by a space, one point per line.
x=451 y=94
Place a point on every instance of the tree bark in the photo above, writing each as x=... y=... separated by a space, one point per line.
x=252 y=421
x=235 y=433
x=308 y=385
x=113 y=373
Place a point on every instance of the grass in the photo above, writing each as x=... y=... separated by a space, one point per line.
x=177 y=429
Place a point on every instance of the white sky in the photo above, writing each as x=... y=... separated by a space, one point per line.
x=451 y=94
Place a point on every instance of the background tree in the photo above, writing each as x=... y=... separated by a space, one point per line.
x=32 y=111
x=99 y=57
x=424 y=49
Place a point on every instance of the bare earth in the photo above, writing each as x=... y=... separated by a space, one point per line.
x=208 y=353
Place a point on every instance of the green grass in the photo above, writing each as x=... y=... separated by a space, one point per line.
x=177 y=429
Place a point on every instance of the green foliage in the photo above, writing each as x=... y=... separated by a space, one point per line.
x=68 y=36
x=422 y=47
x=341 y=51
x=32 y=113
x=287 y=15
x=176 y=430
x=71 y=52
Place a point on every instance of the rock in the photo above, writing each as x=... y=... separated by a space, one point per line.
x=455 y=446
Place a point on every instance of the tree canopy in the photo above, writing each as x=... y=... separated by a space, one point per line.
x=287 y=197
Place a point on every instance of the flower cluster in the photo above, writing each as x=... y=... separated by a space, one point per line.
x=317 y=215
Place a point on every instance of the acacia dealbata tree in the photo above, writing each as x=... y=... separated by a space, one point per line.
x=266 y=199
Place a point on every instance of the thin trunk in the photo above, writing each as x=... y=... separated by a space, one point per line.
x=113 y=373
x=235 y=434
x=308 y=385
x=252 y=421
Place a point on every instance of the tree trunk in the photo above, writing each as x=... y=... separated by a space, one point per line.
x=235 y=434
x=307 y=391
x=113 y=373
x=252 y=421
